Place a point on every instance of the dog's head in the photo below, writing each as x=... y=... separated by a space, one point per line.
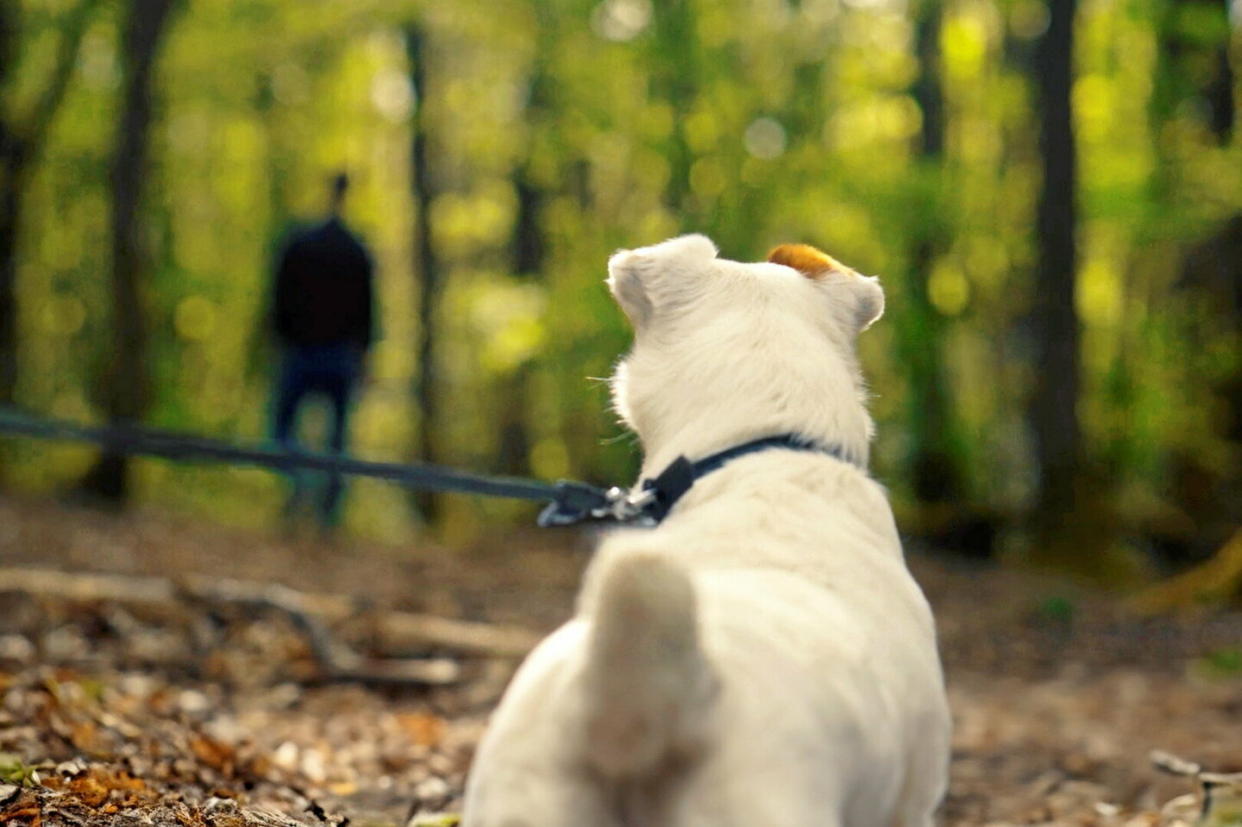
x=726 y=351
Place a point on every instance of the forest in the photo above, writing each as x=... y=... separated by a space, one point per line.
x=1049 y=190
x=1053 y=210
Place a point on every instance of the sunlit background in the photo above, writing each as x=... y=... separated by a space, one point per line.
x=902 y=138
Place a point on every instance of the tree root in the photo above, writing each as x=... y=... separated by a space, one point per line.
x=1215 y=581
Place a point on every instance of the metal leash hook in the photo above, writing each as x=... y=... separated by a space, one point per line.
x=576 y=502
x=627 y=506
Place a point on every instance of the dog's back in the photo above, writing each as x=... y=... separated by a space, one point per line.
x=713 y=696
x=763 y=656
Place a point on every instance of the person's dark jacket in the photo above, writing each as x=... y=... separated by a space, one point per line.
x=323 y=293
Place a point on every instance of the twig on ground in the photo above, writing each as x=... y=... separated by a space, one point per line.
x=1220 y=790
x=311 y=613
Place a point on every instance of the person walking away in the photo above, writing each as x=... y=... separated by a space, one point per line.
x=323 y=318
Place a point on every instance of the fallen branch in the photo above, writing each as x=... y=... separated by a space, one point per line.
x=1170 y=763
x=1222 y=792
x=311 y=613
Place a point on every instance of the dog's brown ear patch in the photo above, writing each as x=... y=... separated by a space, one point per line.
x=806 y=259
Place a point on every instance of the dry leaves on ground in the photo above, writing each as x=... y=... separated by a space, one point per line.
x=109 y=716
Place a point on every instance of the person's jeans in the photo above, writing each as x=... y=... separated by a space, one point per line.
x=331 y=371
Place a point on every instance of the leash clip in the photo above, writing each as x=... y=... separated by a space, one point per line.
x=645 y=505
x=575 y=502
x=626 y=506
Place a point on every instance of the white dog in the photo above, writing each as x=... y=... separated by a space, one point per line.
x=762 y=657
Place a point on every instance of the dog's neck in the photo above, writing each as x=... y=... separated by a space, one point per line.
x=695 y=441
x=693 y=403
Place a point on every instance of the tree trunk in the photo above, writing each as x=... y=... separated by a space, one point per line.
x=12 y=190
x=259 y=356
x=1207 y=492
x=934 y=465
x=126 y=381
x=528 y=249
x=427 y=269
x=527 y=258
x=934 y=471
x=11 y=187
x=1054 y=401
x=674 y=81
x=21 y=143
x=1192 y=73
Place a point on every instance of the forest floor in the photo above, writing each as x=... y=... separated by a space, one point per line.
x=198 y=715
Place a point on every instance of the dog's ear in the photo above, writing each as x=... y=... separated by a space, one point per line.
x=870 y=300
x=867 y=297
x=646 y=279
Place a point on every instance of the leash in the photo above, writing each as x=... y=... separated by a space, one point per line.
x=568 y=502
x=143 y=441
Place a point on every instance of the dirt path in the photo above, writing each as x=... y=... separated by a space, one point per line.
x=216 y=717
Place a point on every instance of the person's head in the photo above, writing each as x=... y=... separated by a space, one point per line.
x=337 y=187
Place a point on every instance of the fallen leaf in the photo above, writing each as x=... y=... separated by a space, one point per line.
x=424 y=729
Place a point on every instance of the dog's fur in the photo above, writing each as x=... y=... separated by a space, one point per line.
x=763 y=657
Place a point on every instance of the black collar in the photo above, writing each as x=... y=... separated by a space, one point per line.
x=671 y=484
x=649 y=503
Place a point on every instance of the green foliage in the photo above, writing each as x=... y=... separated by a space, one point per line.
x=14 y=771
x=1222 y=663
x=756 y=122
x=1056 y=609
